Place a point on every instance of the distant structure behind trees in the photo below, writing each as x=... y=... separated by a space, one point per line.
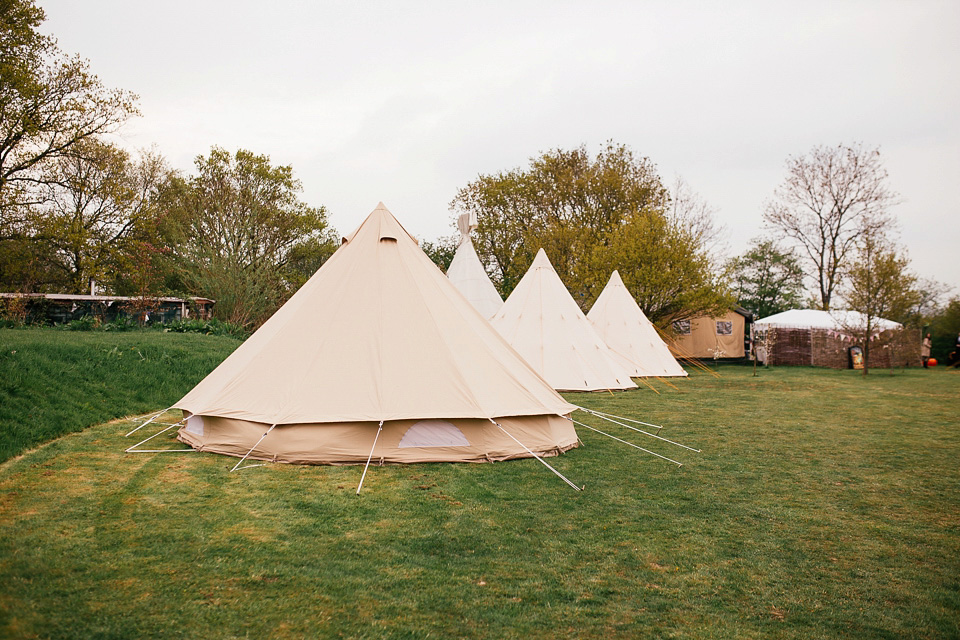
x=63 y=308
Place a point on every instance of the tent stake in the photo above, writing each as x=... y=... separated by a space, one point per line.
x=370 y=457
x=610 y=415
x=650 y=386
x=151 y=419
x=679 y=464
x=542 y=461
x=603 y=417
x=131 y=449
x=667 y=382
x=251 y=451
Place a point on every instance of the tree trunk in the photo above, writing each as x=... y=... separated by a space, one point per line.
x=866 y=346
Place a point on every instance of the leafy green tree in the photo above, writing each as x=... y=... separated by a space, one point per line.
x=95 y=197
x=591 y=216
x=49 y=103
x=879 y=285
x=242 y=235
x=27 y=266
x=305 y=258
x=662 y=265
x=766 y=279
x=830 y=198
x=441 y=250
x=944 y=327
x=565 y=202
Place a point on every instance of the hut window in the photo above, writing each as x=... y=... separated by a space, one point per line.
x=724 y=328
x=682 y=327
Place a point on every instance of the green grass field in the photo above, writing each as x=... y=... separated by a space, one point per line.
x=823 y=505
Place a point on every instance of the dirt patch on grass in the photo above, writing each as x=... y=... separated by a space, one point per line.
x=173 y=474
x=245 y=530
x=75 y=482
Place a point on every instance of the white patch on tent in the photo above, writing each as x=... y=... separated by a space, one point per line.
x=433 y=433
x=195 y=425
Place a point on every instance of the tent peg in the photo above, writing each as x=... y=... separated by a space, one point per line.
x=151 y=419
x=370 y=457
x=542 y=461
x=251 y=451
x=653 y=453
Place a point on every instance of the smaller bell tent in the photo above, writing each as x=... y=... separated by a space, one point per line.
x=468 y=275
x=543 y=322
x=630 y=335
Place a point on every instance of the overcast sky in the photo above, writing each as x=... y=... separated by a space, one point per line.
x=407 y=102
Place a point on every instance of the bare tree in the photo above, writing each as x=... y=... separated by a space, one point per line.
x=691 y=212
x=930 y=294
x=829 y=199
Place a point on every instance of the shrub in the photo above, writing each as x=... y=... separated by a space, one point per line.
x=13 y=312
x=121 y=323
x=86 y=323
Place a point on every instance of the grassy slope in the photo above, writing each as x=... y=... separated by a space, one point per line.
x=55 y=382
x=823 y=505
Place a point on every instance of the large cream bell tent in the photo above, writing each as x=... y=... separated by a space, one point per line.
x=542 y=321
x=467 y=274
x=377 y=336
x=630 y=335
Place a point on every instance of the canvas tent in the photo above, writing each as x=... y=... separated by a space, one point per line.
x=543 y=323
x=468 y=275
x=633 y=339
x=836 y=320
x=823 y=339
x=377 y=334
x=718 y=337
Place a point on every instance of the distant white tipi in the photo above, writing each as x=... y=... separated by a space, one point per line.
x=468 y=275
x=543 y=323
x=632 y=337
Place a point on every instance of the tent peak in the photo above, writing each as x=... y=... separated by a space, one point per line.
x=542 y=261
x=387 y=224
x=468 y=275
x=466 y=223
